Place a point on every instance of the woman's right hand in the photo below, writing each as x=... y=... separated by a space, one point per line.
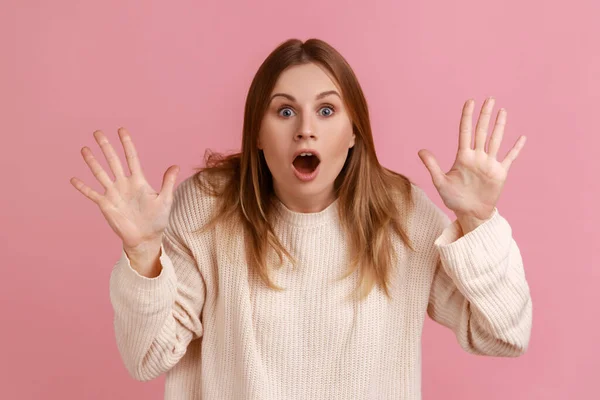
x=133 y=209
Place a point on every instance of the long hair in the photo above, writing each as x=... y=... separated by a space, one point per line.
x=373 y=200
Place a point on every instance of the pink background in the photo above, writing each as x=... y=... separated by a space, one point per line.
x=177 y=75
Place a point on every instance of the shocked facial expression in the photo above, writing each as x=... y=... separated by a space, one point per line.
x=305 y=133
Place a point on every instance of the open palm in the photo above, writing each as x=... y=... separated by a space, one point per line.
x=132 y=208
x=474 y=183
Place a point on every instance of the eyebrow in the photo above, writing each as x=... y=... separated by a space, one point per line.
x=319 y=96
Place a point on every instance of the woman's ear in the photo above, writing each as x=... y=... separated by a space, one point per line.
x=353 y=141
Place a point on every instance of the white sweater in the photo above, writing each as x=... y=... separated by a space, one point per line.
x=219 y=333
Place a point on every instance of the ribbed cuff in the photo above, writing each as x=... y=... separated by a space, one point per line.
x=477 y=256
x=146 y=295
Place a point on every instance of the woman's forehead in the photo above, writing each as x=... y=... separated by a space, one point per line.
x=305 y=82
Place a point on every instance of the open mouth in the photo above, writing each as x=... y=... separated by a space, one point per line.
x=306 y=163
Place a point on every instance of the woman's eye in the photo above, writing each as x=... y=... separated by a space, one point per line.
x=288 y=111
x=330 y=112
x=284 y=109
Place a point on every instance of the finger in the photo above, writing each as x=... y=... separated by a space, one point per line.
x=86 y=190
x=109 y=154
x=431 y=165
x=169 y=179
x=513 y=153
x=131 y=154
x=497 y=134
x=483 y=123
x=464 y=131
x=96 y=168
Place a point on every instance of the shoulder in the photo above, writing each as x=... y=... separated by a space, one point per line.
x=193 y=204
x=427 y=220
x=424 y=204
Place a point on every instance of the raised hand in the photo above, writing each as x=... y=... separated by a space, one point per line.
x=133 y=209
x=473 y=185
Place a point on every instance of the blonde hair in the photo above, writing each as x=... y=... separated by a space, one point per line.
x=369 y=194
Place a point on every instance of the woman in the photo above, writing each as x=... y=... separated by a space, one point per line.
x=300 y=268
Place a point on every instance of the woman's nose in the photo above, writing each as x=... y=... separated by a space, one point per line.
x=306 y=128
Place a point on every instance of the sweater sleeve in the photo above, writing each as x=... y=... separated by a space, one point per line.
x=156 y=318
x=479 y=289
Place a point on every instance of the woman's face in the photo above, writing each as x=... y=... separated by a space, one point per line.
x=305 y=113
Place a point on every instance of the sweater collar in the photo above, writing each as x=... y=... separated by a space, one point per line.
x=327 y=215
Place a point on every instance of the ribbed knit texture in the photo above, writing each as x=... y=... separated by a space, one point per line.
x=219 y=333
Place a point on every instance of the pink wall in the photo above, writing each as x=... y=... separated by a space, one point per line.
x=176 y=76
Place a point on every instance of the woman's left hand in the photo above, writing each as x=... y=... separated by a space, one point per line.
x=473 y=185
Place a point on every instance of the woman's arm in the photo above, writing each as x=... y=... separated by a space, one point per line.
x=156 y=318
x=479 y=289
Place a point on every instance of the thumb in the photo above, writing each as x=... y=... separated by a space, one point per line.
x=431 y=164
x=169 y=179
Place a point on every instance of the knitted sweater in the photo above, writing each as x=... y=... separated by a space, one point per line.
x=219 y=333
